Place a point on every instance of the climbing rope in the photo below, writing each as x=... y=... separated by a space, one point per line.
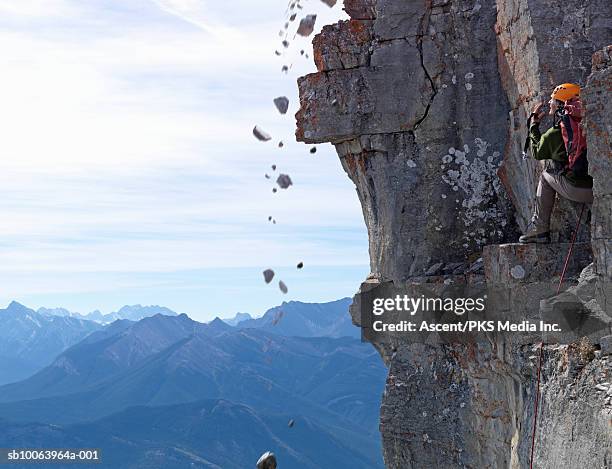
x=537 y=396
x=571 y=249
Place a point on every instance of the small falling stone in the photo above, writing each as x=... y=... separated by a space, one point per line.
x=261 y=134
x=329 y=3
x=267 y=176
x=291 y=423
x=282 y=104
x=292 y=17
x=273 y=167
x=313 y=150
x=284 y=181
x=274 y=190
x=285 y=43
x=283 y=287
x=277 y=52
x=274 y=222
x=281 y=144
x=268 y=275
x=286 y=25
x=270 y=218
x=300 y=265
x=285 y=69
x=302 y=52
x=307 y=25
x=267 y=461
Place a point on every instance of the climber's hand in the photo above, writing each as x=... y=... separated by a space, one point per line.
x=537 y=112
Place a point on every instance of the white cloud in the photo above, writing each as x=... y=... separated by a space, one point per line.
x=127 y=146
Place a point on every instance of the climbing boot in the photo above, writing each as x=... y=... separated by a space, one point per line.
x=535 y=234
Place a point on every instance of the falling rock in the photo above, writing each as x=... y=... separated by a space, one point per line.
x=291 y=423
x=267 y=461
x=330 y=3
x=261 y=134
x=307 y=25
x=282 y=104
x=313 y=150
x=300 y=265
x=268 y=275
x=282 y=287
x=284 y=181
x=273 y=167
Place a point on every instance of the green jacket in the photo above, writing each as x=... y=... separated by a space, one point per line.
x=550 y=146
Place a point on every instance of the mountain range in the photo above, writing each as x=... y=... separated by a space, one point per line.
x=238 y=318
x=295 y=318
x=207 y=434
x=133 y=313
x=30 y=340
x=144 y=389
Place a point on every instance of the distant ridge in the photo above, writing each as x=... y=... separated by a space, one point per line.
x=133 y=313
x=295 y=318
x=30 y=341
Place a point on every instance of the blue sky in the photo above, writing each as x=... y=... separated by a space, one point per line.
x=128 y=171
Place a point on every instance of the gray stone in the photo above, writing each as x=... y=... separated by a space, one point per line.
x=306 y=26
x=284 y=181
x=267 y=461
x=282 y=104
x=268 y=275
x=261 y=134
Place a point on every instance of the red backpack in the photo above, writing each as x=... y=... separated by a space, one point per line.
x=574 y=137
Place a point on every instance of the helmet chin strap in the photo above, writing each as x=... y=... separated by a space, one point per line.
x=558 y=115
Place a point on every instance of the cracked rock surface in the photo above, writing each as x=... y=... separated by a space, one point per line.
x=426 y=103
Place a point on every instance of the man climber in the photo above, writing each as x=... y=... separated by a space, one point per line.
x=563 y=146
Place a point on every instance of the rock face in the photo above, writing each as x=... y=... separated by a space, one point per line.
x=426 y=103
x=597 y=97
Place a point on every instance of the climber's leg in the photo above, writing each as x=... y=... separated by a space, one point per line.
x=538 y=230
x=565 y=189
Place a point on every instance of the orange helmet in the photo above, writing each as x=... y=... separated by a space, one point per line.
x=565 y=92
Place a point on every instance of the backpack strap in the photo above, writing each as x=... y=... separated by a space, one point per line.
x=567 y=123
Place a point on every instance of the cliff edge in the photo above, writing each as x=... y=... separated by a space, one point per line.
x=426 y=103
